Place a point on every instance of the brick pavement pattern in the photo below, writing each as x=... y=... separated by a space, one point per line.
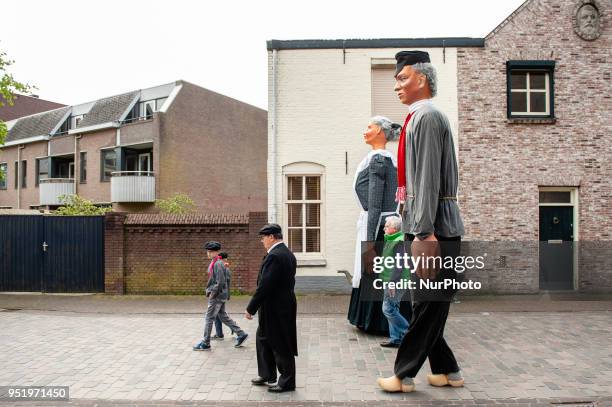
x=149 y=357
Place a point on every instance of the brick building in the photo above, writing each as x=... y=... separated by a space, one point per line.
x=529 y=106
x=535 y=141
x=24 y=105
x=130 y=149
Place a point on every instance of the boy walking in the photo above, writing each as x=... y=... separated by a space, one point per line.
x=217 y=291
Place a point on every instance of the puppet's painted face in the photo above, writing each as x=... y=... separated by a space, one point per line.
x=373 y=134
x=410 y=85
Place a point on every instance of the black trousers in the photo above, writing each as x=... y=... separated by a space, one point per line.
x=268 y=360
x=425 y=337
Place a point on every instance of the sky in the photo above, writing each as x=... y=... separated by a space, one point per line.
x=78 y=51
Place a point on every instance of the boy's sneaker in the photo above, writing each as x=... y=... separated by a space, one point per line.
x=202 y=346
x=217 y=338
x=240 y=340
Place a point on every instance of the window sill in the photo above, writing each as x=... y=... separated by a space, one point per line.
x=529 y=120
x=311 y=262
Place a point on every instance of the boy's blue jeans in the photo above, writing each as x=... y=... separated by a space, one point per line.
x=218 y=327
x=398 y=325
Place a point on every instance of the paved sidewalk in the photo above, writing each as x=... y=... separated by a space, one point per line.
x=538 y=357
x=307 y=305
x=393 y=403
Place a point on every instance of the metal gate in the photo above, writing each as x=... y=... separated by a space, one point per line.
x=52 y=253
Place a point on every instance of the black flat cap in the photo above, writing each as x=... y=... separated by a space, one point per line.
x=404 y=58
x=270 y=229
x=212 y=245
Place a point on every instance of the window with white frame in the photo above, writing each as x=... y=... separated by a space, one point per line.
x=76 y=120
x=3 y=175
x=148 y=107
x=303 y=213
x=530 y=89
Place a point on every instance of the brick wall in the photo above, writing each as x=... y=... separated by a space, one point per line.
x=502 y=164
x=164 y=254
x=214 y=149
x=114 y=240
x=30 y=194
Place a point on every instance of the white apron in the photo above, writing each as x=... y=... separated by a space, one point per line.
x=362 y=220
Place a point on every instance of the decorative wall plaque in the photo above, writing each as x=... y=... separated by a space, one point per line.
x=587 y=19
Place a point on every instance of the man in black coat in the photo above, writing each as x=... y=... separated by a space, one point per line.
x=274 y=299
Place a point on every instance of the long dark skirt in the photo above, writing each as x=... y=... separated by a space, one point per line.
x=366 y=314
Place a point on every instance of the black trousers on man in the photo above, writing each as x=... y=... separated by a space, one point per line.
x=425 y=337
x=268 y=360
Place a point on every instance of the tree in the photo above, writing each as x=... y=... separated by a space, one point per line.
x=8 y=87
x=74 y=205
x=179 y=204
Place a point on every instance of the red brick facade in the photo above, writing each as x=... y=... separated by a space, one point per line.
x=503 y=164
x=164 y=254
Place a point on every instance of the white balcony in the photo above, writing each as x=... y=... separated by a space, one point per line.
x=133 y=186
x=51 y=189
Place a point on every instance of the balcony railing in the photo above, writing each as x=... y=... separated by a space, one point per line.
x=133 y=186
x=51 y=189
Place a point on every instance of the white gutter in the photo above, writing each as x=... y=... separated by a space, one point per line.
x=95 y=127
x=272 y=197
x=24 y=141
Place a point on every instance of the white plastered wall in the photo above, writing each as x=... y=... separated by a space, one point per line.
x=323 y=103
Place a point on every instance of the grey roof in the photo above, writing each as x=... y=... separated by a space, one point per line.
x=377 y=43
x=36 y=125
x=108 y=109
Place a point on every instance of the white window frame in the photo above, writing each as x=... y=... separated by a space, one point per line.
x=528 y=92
x=142 y=114
x=305 y=169
x=75 y=120
x=140 y=157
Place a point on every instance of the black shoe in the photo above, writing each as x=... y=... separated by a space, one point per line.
x=278 y=389
x=260 y=381
x=389 y=344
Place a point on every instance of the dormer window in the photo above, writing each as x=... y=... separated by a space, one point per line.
x=144 y=110
x=147 y=107
x=64 y=128
x=76 y=120
x=72 y=122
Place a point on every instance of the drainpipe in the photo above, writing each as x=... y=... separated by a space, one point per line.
x=77 y=137
x=272 y=198
x=19 y=169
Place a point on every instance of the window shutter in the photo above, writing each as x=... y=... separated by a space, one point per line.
x=384 y=99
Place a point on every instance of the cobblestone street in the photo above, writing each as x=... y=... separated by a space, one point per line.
x=504 y=356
